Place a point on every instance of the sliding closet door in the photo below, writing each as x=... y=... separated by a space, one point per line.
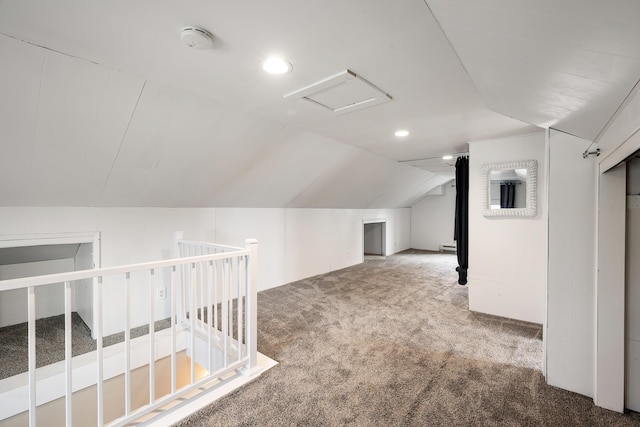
x=632 y=316
x=610 y=289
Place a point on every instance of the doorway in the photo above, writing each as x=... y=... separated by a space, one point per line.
x=35 y=255
x=374 y=237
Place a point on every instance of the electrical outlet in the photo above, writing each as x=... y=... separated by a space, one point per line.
x=161 y=293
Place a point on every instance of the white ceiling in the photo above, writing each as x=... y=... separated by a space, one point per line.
x=566 y=64
x=102 y=105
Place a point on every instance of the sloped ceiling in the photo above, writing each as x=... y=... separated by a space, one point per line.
x=102 y=105
x=565 y=64
x=79 y=134
x=23 y=254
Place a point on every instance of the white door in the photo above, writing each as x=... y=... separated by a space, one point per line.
x=632 y=309
x=632 y=336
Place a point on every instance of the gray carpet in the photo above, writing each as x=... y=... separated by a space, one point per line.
x=391 y=343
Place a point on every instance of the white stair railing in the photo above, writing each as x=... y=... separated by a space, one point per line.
x=208 y=278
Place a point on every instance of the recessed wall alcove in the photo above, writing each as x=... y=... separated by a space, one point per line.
x=35 y=255
x=374 y=237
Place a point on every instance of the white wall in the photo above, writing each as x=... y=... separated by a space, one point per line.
x=49 y=299
x=294 y=243
x=84 y=288
x=322 y=240
x=571 y=321
x=507 y=256
x=401 y=237
x=432 y=219
x=233 y=226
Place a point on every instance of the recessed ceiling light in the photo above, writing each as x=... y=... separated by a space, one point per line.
x=401 y=133
x=447 y=157
x=276 y=66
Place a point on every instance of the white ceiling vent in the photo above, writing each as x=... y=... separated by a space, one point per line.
x=342 y=93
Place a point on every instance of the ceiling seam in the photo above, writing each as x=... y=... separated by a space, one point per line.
x=515 y=61
x=453 y=49
x=57 y=51
x=477 y=30
x=124 y=136
x=323 y=176
x=627 y=99
x=568 y=133
x=417 y=198
x=251 y=163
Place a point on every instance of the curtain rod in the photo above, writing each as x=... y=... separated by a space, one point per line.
x=435 y=158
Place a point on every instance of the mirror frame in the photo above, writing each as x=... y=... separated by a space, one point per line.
x=532 y=188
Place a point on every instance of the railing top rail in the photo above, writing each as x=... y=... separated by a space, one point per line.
x=209 y=245
x=6 y=285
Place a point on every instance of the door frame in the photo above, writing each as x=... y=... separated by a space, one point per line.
x=384 y=234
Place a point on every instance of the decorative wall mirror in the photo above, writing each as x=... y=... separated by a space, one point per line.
x=510 y=188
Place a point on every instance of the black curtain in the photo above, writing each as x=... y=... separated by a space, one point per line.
x=507 y=195
x=461 y=230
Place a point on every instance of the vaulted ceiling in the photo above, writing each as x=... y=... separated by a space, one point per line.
x=101 y=104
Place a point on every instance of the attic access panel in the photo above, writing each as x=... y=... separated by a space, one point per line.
x=341 y=93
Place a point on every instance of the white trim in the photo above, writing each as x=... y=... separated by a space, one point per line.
x=343 y=77
x=610 y=290
x=620 y=154
x=373 y=221
x=384 y=235
x=6 y=285
x=20 y=240
x=191 y=404
x=547 y=173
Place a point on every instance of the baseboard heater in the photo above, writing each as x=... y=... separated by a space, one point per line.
x=448 y=248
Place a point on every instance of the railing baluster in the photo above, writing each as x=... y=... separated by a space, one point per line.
x=230 y=304
x=68 y=354
x=239 y=308
x=209 y=316
x=184 y=284
x=152 y=330
x=216 y=283
x=100 y=354
x=173 y=329
x=205 y=282
x=201 y=286
x=192 y=317
x=225 y=310
x=127 y=344
x=252 y=305
x=31 y=313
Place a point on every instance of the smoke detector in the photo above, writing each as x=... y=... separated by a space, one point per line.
x=196 y=38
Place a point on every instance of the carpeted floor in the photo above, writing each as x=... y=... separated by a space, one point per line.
x=14 y=341
x=391 y=343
